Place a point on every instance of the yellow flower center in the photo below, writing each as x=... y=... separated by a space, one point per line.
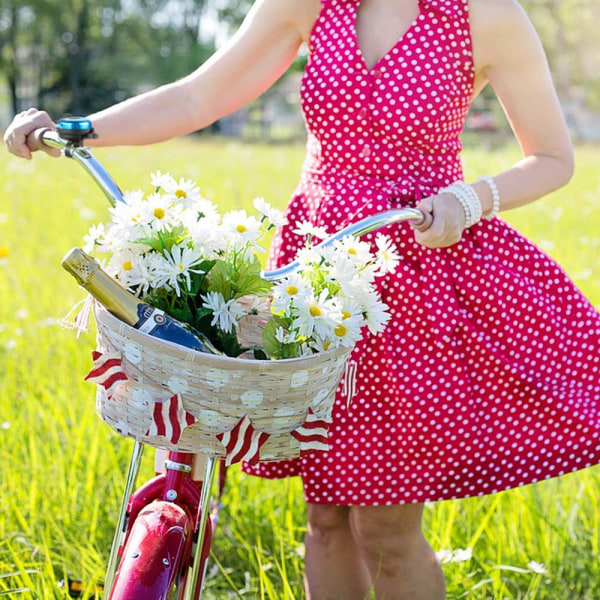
x=351 y=251
x=127 y=266
x=291 y=290
x=135 y=218
x=181 y=194
x=315 y=311
x=385 y=255
x=241 y=228
x=3 y=252
x=340 y=330
x=326 y=345
x=181 y=267
x=345 y=315
x=159 y=213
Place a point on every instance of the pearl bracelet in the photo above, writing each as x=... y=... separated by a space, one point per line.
x=468 y=199
x=495 y=196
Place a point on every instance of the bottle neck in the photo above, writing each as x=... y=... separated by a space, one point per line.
x=115 y=298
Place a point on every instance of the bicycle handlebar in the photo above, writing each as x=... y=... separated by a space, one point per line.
x=47 y=137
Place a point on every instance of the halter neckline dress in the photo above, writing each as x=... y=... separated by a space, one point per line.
x=487 y=376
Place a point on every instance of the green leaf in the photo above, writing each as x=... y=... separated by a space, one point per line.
x=164 y=240
x=271 y=344
x=220 y=279
x=259 y=354
x=229 y=343
x=251 y=283
x=182 y=314
x=197 y=279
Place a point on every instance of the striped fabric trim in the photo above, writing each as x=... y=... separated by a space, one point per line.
x=107 y=371
x=312 y=434
x=349 y=381
x=243 y=442
x=169 y=419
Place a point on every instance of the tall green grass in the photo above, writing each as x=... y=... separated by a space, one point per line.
x=62 y=469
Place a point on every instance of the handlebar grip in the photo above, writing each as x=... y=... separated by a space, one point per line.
x=45 y=139
x=425 y=223
x=35 y=140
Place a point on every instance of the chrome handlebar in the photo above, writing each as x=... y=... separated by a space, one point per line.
x=111 y=190
x=86 y=159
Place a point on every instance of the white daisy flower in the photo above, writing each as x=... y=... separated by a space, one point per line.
x=284 y=337
x=225 y=314
x=204 y=234
x=317 y=314
x=160 y=212
x=202 y=209
x=184 y=191
x=95 y=233
x=351 y=308
x=131 y=211
x=241 y=227
x=162 y=181
x=376 y=313
x=308 y=229
x=290 y=289
x=356 y=250
x=536 y=567
x=316 y=344
x=342 y=271
x=347 y=332
x=115 y=238
x=178 y=265
x=308 y=256
x=272 y=215
x=131 y=269
x=456 y=556
x=386 y=255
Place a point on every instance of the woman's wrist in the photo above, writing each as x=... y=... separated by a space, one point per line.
x=489 y=195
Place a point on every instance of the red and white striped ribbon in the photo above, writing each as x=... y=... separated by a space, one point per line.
x=243 y=442
x=107 y=371
x=312 y=434
x=349 y=381
x=169 y=419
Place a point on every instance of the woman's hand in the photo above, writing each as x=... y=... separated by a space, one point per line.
x=25 y=123
x=448 y=221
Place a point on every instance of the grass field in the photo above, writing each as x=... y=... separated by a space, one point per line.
x=61 y=468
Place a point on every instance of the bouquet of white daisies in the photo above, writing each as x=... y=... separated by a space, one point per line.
x=174 y=250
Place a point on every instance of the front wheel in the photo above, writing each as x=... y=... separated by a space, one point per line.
x=154 y=554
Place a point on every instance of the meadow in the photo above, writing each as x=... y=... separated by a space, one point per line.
x=62 y=469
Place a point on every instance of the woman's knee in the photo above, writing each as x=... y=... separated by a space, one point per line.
x=390 y=531
x=325 y=521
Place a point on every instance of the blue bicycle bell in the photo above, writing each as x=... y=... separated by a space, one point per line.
x=75 y=130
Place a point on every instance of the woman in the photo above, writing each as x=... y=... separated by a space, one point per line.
x=484 y=379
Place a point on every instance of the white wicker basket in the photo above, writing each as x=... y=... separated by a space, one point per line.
x=218 y=391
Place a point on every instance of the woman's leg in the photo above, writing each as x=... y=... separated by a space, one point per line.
x=334 y=567
x=401 y=563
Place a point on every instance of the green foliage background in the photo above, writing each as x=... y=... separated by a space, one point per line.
x=62 y=469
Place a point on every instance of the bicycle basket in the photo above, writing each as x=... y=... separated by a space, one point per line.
x=277 y=398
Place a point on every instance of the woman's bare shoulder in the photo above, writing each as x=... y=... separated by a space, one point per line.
x=298 y=14
x=498 y=28
x=490 y=12
x=305 y=13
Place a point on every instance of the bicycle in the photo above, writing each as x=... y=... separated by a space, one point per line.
x=165 y=527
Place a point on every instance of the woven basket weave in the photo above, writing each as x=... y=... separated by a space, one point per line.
x=218 y=391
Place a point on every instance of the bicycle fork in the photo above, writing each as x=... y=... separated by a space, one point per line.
x=160 y=528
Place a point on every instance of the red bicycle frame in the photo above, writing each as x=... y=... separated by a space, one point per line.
x=164 y=532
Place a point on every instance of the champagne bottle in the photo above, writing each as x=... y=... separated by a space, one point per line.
x=129 y=308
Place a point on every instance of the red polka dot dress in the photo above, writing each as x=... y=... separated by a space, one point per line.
x=487 y=376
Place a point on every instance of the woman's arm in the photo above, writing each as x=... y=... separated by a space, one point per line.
x=509 y=56
x=259 y=53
